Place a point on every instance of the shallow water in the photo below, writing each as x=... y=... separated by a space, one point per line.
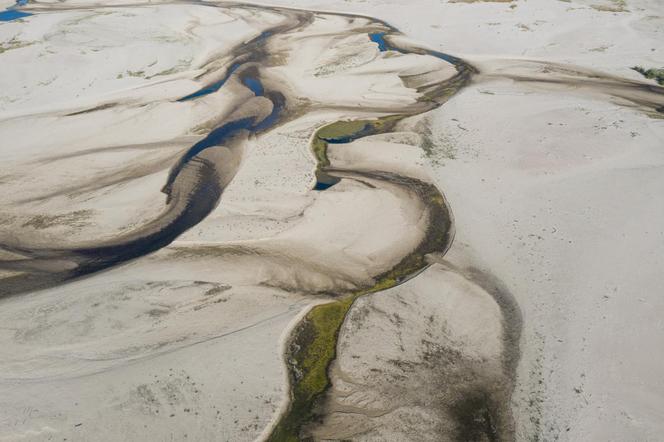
x=225 y=132
x=322 y=186
x=214 y=87
x=379 y=38
x=12 y=14
x=255 y=85
x=383 y=45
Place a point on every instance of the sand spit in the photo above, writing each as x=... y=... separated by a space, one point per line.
x=264 y=160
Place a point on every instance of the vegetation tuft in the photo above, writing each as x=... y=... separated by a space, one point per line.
x=652 y=74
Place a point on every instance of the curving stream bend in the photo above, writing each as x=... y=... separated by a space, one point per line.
x=269 y=99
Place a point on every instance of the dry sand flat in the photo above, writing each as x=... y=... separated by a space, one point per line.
x=542 y=162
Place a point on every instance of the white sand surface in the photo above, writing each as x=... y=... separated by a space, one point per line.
x=556 y=192
x=141 y=352
x=566 y=214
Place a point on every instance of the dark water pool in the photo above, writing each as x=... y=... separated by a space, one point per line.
x=379 y=38
x=225 y=132
x=214 y=87
x=383 y=45
x=255 y=85
x=12 y=14
x=322 y=186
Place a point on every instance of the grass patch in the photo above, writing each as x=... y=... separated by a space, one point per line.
x=341 y=129
x=311 y=353
x=652 y=74
x=319 y=148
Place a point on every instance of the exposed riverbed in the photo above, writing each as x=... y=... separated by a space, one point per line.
x=259 y=192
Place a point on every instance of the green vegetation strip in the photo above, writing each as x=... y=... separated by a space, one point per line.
x=311 y=353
